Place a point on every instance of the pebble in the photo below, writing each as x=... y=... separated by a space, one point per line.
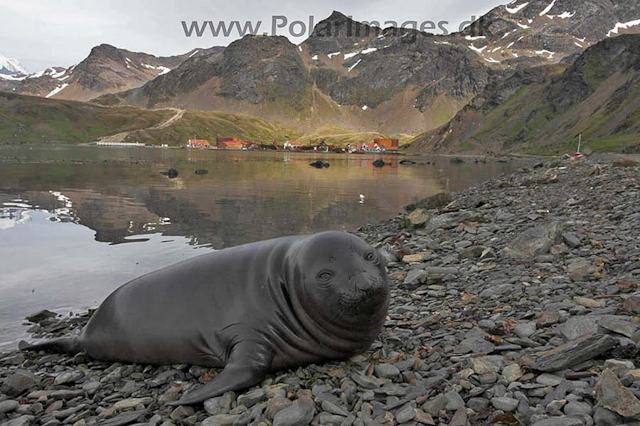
x=295 y=414
x=577 y=407
x=8 y=405
x=386 y=371
x=220 y=420
x=505 y=403
x=405 y=414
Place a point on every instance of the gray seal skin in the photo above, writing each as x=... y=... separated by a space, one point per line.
x=251 y=309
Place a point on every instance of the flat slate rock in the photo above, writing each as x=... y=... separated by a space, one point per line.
x=574 y=352
x=620 y=326
x=535 y=241
x=124 y=418
x=579 y=326
x=612 y=394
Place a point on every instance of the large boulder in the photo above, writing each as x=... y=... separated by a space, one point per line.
x=417 y=219
x=19 y=382
x=534 y=242
x=430 y=203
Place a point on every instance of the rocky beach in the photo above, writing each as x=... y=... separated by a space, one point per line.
x=515 y=302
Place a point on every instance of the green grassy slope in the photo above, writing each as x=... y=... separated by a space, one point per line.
x=29 y=119
x=33 y=120
x=209 y=125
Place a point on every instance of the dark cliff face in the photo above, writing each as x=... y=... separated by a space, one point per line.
x=261 y=69
x=338 y=32
x=256 y=69
x=432 y=66
x=188 y=76
x=360 y=64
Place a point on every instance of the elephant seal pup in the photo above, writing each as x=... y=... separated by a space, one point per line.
x=251 y=309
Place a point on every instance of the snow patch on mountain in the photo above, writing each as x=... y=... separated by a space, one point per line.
x=548 y=8
x=566 y=15
x=57 y=90
x=623 y=26
x=49 y=72
x=545 y=52
x=516 y=9
x=476 y=49
x=354 y=65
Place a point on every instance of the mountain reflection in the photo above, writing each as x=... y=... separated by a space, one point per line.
x=245 y=196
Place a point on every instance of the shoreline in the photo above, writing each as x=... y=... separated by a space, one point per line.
x=514 y=301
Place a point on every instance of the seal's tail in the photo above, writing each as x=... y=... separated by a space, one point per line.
x=69 y=345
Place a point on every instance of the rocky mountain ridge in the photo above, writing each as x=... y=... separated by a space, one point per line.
x=106 y=69
x=548 y=31
x=544 y=109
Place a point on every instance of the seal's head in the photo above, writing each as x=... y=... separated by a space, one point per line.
x=344 y=283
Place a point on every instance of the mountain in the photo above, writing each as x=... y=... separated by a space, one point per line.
x=548 y=31
x=107 y=69
x=355 y=75
x=10 y=66
x=542 y=110
x=375 y=82
x=257 y=75
x=401 y=79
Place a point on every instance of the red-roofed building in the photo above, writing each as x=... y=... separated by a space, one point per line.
x=388 y=144
x=369 y=147
x=292 y=145
x=229 y=143
x=198 y=143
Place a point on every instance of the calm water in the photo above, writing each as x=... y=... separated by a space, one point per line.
x=77 y=222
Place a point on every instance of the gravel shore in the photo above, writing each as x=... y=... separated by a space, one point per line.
x=515 y=302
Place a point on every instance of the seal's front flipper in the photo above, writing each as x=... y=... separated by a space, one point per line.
x=247 y=366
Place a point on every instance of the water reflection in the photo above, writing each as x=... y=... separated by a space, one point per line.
x=244 y=197
x=12 y=214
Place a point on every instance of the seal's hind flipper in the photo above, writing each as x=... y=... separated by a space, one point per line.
x=68 y=345
x=247 y=366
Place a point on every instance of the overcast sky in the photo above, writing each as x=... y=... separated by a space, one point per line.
x=43 y=33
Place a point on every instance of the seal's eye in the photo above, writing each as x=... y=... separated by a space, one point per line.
x=369 y=257
x=325 y=276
